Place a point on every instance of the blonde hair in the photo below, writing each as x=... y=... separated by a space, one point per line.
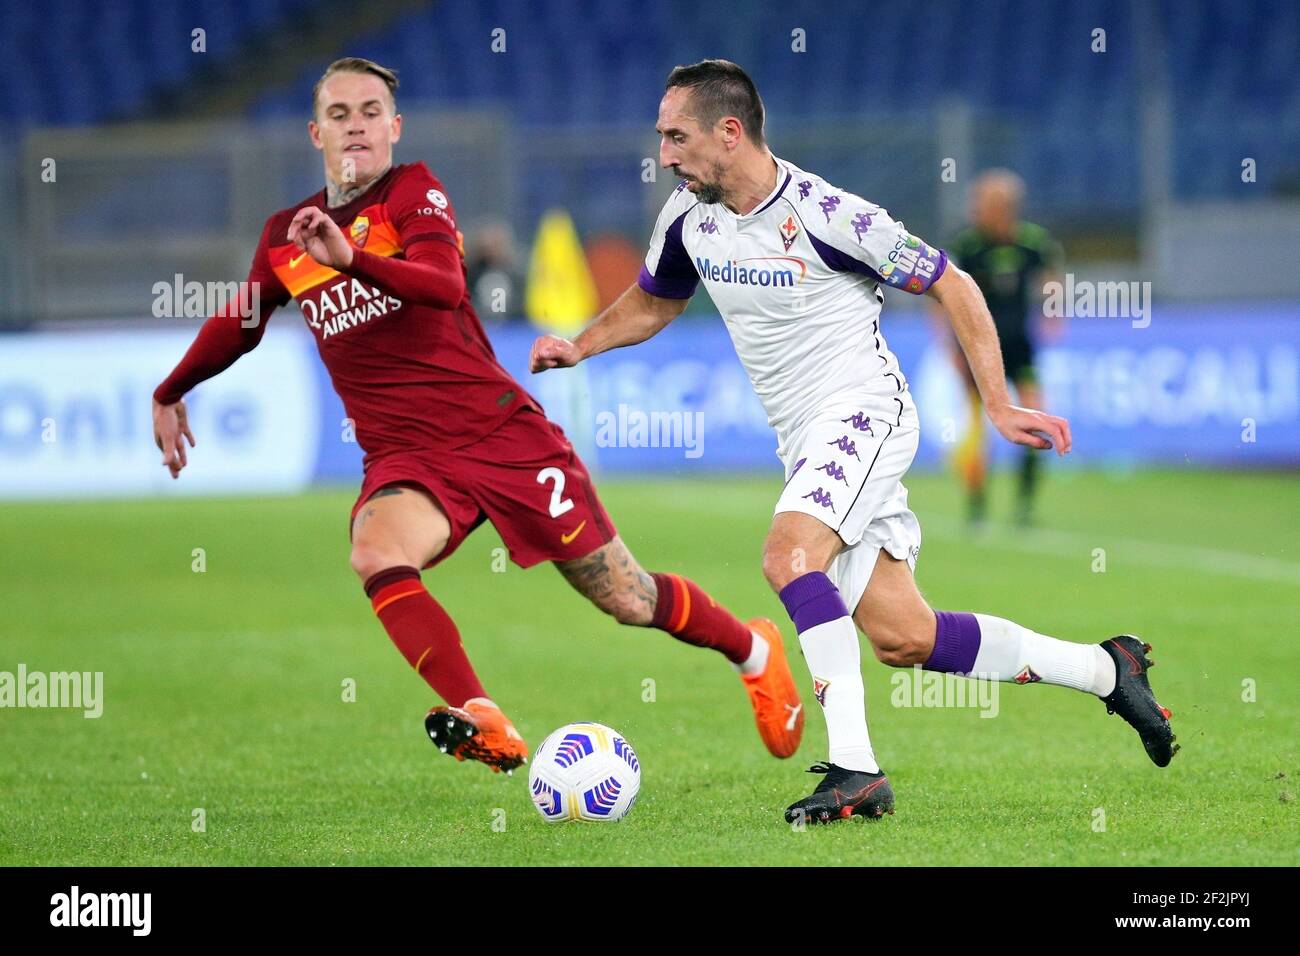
x=357 y=64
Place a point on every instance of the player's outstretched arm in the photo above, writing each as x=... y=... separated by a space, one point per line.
x=964 y=305
x=235 y=329
x=634 y=317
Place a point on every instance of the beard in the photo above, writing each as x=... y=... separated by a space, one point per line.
x=708 y=193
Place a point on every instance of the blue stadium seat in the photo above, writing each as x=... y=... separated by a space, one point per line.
x=587 y=61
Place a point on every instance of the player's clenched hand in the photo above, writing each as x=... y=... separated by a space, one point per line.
x=1026 y=426
x=551 y=351
x=169 y=425
x=320 y=237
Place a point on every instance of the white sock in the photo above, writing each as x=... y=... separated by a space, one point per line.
x=835 y=661
x=756 y=662
x=1009 y=652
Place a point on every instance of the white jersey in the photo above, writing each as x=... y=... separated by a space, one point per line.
x=797 y=282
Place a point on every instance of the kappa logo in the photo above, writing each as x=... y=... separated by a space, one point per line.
x=846 y=445
x=860 y=421
x=360 y=231
x=834 y=470
x=789 y=231
x=861 y=223
x=819 y=690
x=709 y=227
x=821 y=496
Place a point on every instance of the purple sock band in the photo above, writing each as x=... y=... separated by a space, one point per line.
x=956 y=642
x=811 y=599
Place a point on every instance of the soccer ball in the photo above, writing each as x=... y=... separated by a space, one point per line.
x=584 y=772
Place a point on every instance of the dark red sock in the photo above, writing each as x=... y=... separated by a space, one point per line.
x=424 y=633
x=686 y=611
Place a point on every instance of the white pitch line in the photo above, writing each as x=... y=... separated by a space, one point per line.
x=1063 y=544
x=1071 y=544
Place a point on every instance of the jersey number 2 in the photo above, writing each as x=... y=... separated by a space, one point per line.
x=559 y=505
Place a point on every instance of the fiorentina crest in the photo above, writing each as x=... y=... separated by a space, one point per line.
x=819 y=690
x=789 y=231
x=1027 y=676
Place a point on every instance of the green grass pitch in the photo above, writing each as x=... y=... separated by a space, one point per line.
x=224 y=689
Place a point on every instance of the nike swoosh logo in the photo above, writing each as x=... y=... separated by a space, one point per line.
x=794 y=715
x=1134 y=665
x=293 y=263
x=863 y=793
x=566 y=538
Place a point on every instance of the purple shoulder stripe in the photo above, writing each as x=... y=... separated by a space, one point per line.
x=674 y=276
x=841 y=261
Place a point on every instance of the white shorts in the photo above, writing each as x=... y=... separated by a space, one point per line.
x=845 y=469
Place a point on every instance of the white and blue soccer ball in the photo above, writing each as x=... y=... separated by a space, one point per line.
x=585 y=772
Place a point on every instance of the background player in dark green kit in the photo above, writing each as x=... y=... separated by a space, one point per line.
x=1010 y=260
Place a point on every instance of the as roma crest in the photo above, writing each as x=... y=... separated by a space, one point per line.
x=360 y=231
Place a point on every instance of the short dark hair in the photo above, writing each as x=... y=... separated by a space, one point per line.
x=357 y=64
x=720 y=88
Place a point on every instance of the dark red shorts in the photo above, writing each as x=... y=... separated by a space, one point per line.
x=524 y=477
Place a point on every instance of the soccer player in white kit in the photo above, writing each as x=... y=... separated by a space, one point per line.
x=795 y=266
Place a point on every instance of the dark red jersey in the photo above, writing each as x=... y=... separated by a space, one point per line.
x=403 y=346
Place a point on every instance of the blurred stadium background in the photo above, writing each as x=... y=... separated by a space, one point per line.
x=141 y=152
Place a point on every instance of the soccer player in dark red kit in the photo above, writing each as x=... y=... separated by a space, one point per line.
x=376 y=265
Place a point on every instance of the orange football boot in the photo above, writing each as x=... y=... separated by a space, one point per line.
x=778 y=711
x=478 y=731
